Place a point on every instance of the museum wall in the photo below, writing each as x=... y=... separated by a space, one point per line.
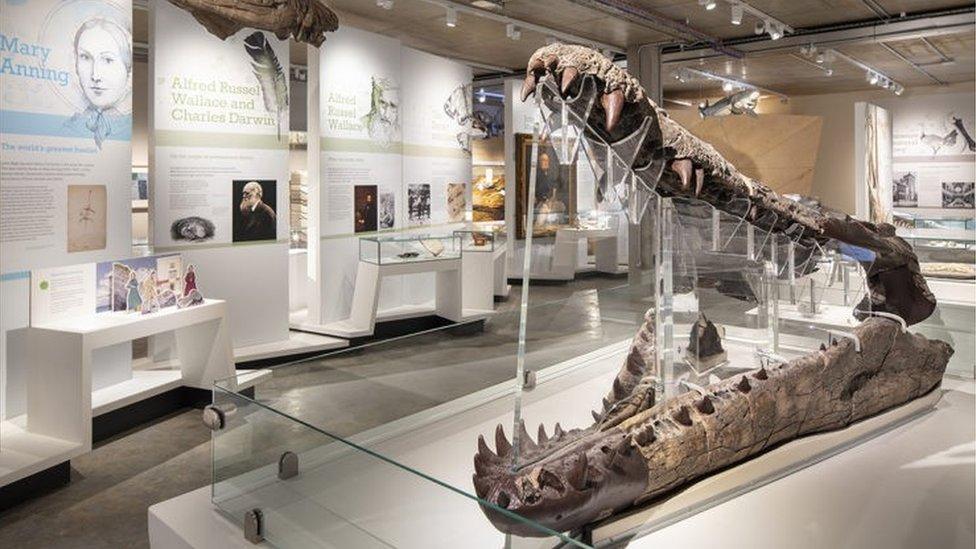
x=834 y=171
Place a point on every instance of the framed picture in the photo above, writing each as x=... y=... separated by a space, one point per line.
x=555 y=189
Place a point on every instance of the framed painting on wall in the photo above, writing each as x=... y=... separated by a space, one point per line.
x=555 y=188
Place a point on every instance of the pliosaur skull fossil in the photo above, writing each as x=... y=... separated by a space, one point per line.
x=304 y=20
x=638 y=449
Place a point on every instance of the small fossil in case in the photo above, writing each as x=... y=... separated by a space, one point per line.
x=480 y=239
x=408 y=255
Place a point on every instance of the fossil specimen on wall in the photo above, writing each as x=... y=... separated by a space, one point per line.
x=304 y=20
x=638 y=449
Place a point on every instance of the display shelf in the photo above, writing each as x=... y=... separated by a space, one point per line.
x=410 y=248
x=23 y=453
x=142 y=385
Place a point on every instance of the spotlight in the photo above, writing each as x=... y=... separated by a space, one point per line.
x=760 y=27
x=899 y=89
x=874 y=79
x=450 y=18
x=481 y=95
x=727 y=87
x=830 y=72
x=385 y=4
x=512 y=31
x=707 y=4
x=820 y=58
x=736 y=14
x=775 y=31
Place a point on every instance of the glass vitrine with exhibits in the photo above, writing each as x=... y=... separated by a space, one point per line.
x=481 y=238
x=408 y=248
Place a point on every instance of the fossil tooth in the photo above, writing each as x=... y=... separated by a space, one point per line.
x=744 y=385
x=528 y=86
x=613 y=104
x=569 y=75
x=596 y=415
x=606 y=403
x=618 y=389
x=699 y=180
x=823 y=347
x=526 y=444
x=577 y=475
x=705 y=406
x=684 y=168
x=484 y=450
x=761 y=374
x=682 y=416
x=557 y=431
x=543 y=438
x=549 y=479
x=536 y=65
x=502 y=445
x=483 y=464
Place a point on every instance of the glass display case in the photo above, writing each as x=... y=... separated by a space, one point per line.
x=595 y=220
x=407 y=248
x=481 y=238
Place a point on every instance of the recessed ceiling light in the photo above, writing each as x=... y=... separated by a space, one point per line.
x=450 y=19
x=727 y=87
x=760 y=27
x=736 y=14
x=385 y=4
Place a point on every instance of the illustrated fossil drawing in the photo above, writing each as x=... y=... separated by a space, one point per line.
x=638 y=449
x=304 y=20
x=936 y=142
x=87 y=213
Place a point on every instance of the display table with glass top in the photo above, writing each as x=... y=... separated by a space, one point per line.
x=385 y=256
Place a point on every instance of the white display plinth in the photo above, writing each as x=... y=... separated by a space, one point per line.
x=565 y=260
x=364 y=314
x=62 y=359
x=439 y=442
x=483 y=276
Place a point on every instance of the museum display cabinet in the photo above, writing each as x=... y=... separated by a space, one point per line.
x=409 y=248
x=481 y=238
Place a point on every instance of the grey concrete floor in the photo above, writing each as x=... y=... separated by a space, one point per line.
x=112 y=487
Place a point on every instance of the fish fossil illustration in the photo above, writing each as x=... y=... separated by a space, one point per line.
x=958 y=123
x=936 y=142
x=638 y=449
x=271 y=77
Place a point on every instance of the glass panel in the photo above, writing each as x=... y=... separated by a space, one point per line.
x=409 y=248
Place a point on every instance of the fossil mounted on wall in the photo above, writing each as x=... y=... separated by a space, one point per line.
x=637 y=449
x=304 y=20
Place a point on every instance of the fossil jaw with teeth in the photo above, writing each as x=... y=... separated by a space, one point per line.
x=638 y=450
x=584 y=475
x=674 y=162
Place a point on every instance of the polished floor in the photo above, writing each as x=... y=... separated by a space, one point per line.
x=352 y=391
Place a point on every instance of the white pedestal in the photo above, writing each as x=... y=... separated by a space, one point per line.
x=483 y=276
x=565 y=261
x=363 y=313
x=64 y=359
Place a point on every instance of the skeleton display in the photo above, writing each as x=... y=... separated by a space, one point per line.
x=304 y=20
x=638 y=449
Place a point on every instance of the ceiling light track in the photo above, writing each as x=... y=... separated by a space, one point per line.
x=873 y=75
x=733 y=82
x=522 y=25
x=819 y=66
x=911 y=64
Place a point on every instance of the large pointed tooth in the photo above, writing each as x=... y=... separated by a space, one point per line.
x=543 y=437
x=526 y=444
x=682 y=416
x=482 y=486
x=606 y=403
x=484 y=450
x=761 y=374
x=536 y=65
x=618 y=389
x=551 y=62
x=596 y=415
x=557 y=431
x=502 y=445
x=705 y=406
x=613 y=105
x=744 y=385
x=569 y=75
x=684 y=168
x=699 y=181
x=528 y=86
x=577 y=475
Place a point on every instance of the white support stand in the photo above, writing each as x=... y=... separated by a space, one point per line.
x=483 y=277
x=565 y=261
x=363 y=313
x=81 y=367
